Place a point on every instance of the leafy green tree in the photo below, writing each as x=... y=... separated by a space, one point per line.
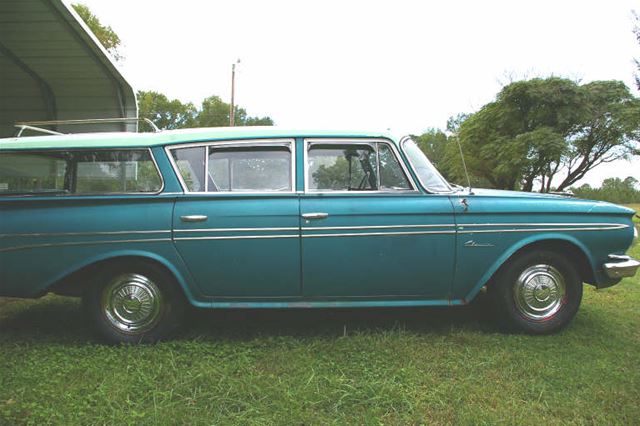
x=537 y=128
x=165 y=113
x=215 y=113
x=103 y=33
x=609 y=130
x=614 y=190
x=173 y=114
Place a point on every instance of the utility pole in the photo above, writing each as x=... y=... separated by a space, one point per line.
x=232 y=109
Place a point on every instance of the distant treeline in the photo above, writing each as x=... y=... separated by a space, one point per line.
x=614 y=190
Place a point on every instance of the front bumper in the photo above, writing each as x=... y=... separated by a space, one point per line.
x=621 y=266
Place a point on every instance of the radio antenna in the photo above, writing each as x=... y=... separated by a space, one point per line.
x=464 y=164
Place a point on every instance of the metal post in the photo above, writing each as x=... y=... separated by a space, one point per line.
x=232 y=108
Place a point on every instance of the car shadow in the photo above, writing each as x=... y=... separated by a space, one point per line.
x=59 y=319
x=251 y=323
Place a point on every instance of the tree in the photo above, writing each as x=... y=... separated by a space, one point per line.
x=103 y=33
x=609 y=130
x=165 y=113
x=173 y=114
x=538 y=128
x=614 y=190
x=215 y=113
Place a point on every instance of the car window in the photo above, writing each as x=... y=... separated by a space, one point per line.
x=391 y=175
x=249 y=169
x=354 y=167
x=115 y=172
x=428 y=175
x=191 y=163
x=78 y=172
x=236 y=167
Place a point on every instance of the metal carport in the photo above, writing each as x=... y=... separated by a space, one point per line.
x=53 y=68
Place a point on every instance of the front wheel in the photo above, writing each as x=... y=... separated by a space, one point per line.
x=134 y=303
x=538 y=292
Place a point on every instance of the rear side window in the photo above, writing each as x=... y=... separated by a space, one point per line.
x=78 y=172
x=251 y=169
x=236 y=167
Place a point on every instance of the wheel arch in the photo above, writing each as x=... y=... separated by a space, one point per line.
x=73 y=281
x=566 y=245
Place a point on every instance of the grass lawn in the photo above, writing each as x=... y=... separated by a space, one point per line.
x=293 y=367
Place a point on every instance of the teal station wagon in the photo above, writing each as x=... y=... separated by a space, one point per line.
x=143 y=225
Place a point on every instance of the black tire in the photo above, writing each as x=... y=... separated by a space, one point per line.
x=134 y=302
x=537 y=292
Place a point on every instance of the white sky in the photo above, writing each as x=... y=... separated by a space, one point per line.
x=399 y=65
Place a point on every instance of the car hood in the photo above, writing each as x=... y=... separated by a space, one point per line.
x=539 y=202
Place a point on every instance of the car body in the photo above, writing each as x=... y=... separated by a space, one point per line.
x=262 y=217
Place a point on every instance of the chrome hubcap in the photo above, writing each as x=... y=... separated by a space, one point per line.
x=539 y=292
x=131 y=303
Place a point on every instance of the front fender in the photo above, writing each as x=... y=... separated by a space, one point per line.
x=475 y=284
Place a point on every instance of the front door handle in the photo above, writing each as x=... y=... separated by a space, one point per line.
x=317 y=215
x=194 y=218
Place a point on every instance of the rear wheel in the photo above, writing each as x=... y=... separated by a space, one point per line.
x=135 y=303
x=538 y=292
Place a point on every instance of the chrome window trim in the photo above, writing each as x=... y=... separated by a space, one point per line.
x=355 y=141
x=288 y=142
x=425 y=187
x=93 y=194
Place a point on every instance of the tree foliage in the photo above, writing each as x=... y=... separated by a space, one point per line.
x=614 y=190
x=538 y=129
x=173 y=114
x=165 y=113
x=103 y=33
x=214 y=112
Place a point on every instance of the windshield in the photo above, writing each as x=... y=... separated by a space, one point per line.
x=427 y=173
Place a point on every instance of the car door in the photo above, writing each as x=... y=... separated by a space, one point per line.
x=237 y=225
x=367 y=231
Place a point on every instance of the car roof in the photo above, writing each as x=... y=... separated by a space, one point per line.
x=170 y=137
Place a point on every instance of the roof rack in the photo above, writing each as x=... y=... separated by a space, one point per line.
x=34 y=125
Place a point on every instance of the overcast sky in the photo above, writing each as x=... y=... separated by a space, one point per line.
x=399 y=65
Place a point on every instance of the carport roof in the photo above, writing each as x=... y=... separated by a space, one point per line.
x=53 y=68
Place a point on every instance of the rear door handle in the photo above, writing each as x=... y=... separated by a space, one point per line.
x=194 y=218
x=316 y=215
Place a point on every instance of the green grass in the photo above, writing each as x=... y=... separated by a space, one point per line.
x=412 y=366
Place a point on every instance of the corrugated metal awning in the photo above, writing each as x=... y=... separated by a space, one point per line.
x=53 y=68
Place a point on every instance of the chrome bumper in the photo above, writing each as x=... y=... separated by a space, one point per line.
x=621 y=266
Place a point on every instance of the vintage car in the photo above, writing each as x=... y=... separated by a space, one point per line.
x=142 y=225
